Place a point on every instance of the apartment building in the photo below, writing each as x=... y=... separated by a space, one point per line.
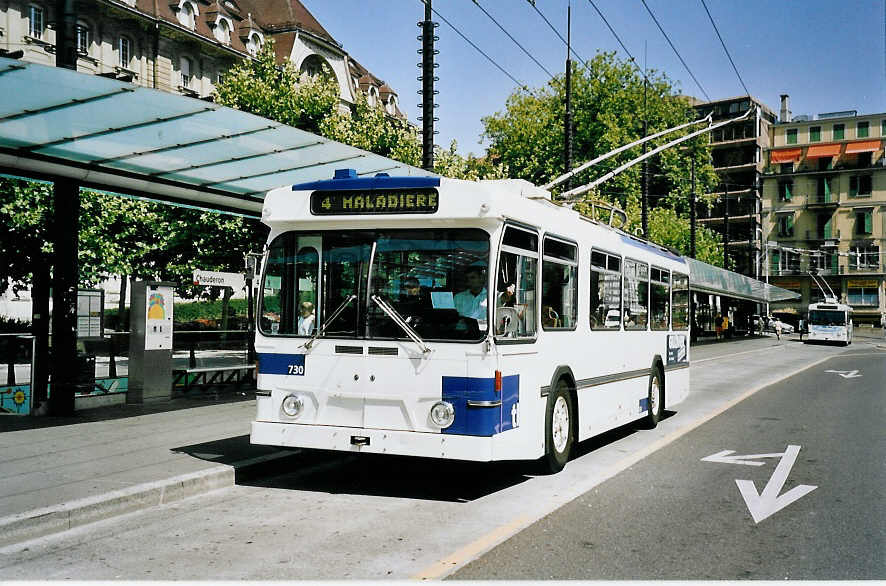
x=824 y=208
x=186 y=46
x=737 y=156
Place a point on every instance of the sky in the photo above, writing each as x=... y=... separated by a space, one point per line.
x=827 y=56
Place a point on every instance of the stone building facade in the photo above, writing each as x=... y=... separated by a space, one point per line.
x=824 y=208
x=186 y=46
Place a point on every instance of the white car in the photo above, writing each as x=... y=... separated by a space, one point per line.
x=613 y=319
x=785 y=328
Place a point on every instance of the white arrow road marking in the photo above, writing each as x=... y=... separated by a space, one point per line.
x=846 y=373
x=724 y=458
x=769 y=502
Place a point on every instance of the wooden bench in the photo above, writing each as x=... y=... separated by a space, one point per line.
x=211 y=376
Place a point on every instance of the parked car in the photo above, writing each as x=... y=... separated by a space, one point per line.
x=613 y=318
x=771 y=322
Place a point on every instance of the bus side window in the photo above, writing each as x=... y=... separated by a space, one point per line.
x=559 y=298
x=515 y=285
x=660 y=299
x=605 y=294
x=680 y=301
x=636 y=294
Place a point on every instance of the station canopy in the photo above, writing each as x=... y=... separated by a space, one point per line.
x=706 y=278
x=112 y=135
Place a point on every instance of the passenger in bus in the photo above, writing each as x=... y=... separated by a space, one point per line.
x=472 y=301
x=306 y=319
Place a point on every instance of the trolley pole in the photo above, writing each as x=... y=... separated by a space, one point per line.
x=567 y=122
x=644 y=204
x=427 y=90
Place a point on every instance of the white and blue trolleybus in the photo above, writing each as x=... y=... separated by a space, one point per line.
x=455 y=319
x=830 y=321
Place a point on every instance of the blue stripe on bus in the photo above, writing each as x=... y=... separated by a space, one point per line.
x=368 y=183
x=482 y=421
x=281 y=364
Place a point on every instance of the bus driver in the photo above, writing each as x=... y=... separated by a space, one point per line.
x=472 y=301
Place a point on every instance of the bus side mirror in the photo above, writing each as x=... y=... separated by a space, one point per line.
x=507 y=320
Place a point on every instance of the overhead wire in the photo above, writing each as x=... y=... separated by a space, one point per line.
x=617 y=38
x=510 y=36
x=724 y=47
x=519 y=83
x=680 y=57
x=556 y=32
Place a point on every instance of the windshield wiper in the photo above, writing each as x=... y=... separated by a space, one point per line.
x=319 y=332
x=398 y=319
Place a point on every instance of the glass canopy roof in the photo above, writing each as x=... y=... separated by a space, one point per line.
x=707 y=278
x=117 y=136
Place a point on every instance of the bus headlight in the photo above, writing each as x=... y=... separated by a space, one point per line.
x=442 y=414
x=293 y=405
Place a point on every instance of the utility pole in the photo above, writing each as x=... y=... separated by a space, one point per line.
x=567 y=122
x=644 y=208
x=692 y=218
x=427 y=90
x=725 y=225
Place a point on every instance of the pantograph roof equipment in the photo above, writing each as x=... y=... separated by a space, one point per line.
x=116 y=136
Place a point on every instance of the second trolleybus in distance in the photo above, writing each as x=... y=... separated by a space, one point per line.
x=830 y=321
x=442 y=318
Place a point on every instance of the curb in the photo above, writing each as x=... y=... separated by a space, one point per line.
x=58 y=518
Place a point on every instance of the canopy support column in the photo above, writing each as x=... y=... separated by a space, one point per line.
x=65 y=229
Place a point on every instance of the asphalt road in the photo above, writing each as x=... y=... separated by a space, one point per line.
x=633 y=503
x=675 y=516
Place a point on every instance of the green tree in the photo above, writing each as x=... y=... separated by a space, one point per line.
x=609 y=108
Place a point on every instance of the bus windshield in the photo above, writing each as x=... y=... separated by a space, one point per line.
x=823 y=317
x=435 y=279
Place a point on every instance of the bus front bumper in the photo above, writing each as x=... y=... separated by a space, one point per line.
x=373 y=441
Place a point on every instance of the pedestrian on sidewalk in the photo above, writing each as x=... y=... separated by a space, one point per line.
x=718 y=325
x=778 y=329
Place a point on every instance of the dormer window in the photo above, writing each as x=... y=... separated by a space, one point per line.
x=222 y=30
x=187 y=14
x=124 y=52
x=392 y=105
x=254 y=43
x=372 y=96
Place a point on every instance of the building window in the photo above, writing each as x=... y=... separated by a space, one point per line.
x=187 y=14
x=866 y=295
x=839 y=131
x=883 y=128
x=83 y=38
x=825 y=163
x=315 y=65
x=222 y=30
x=254 y=43
x=784 y=190
x=185 y=69
x=124 y=52
x=860 y=186
x=786 y=225
x=786 y=168
x=815 y=134
x=35 y=21
x=791 y=136
x=864 y=221
x=864 y=258
x=862 y=129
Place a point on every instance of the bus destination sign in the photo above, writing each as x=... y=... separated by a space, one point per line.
x=376 y=201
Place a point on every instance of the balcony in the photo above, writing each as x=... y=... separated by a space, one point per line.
x=828 y=235
x=824 y=200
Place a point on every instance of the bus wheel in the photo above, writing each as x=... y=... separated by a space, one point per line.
x=655 y=398
x=558 y=429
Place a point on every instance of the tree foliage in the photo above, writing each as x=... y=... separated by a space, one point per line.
x=609 y=107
